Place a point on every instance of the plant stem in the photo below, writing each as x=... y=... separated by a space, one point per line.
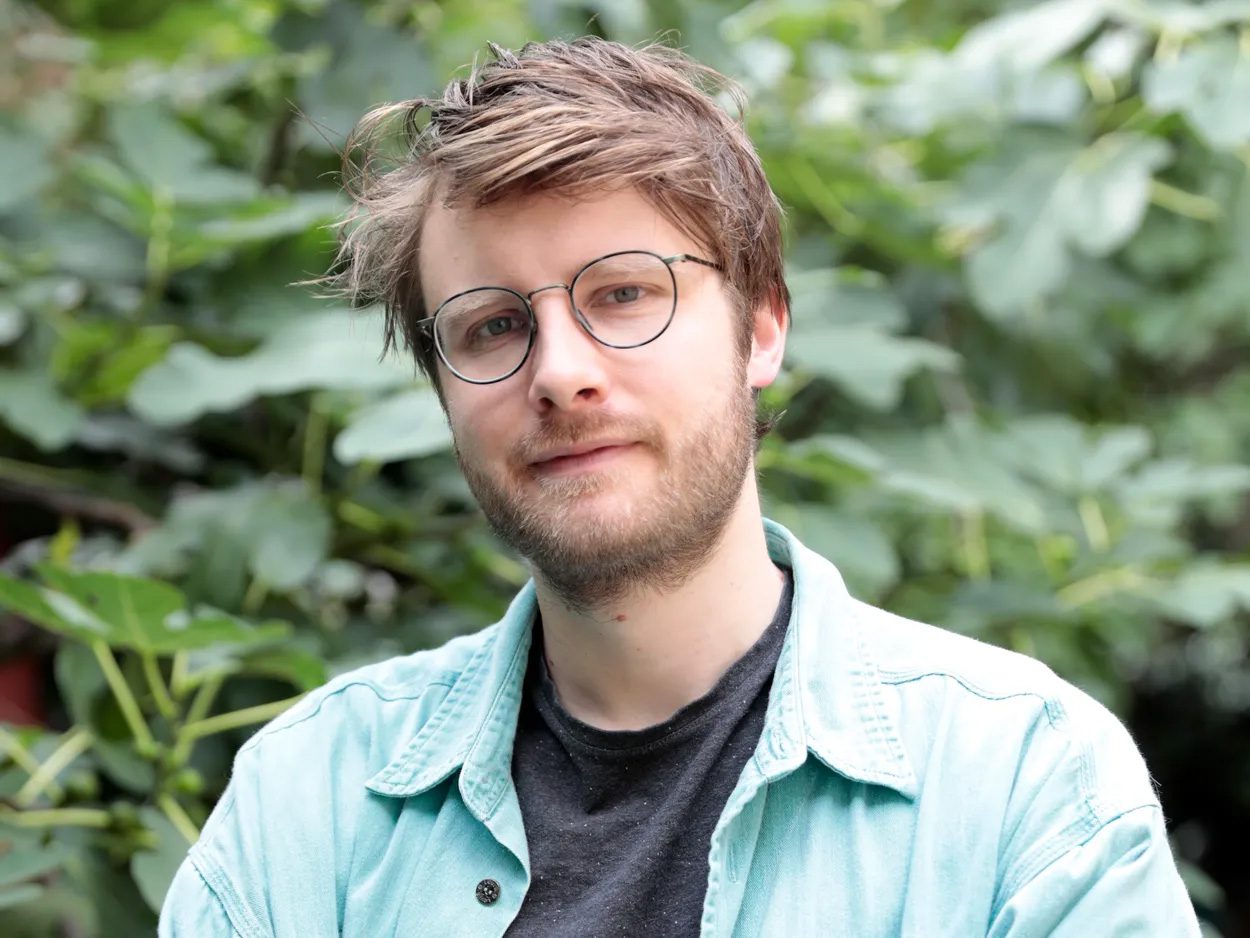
x=57 y=817
x=125 y=697
x=43 y=778
x=237 y=718
x=20 y=755
x=255 y=596
x=1186 y=204
x=1099 y=585
x=1094 y=523
x=178 y=675
x=178 y=817
x=976 y=550
x=160 y=693
x=314 y=445
x=199 y=708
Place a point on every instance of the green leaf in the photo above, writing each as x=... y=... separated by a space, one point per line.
x=858 y=547
x=80 y=681
x=24 y=167
x=32 y=406
x=124 y=612
x=405 y=426
x=279 y=531
x=1048 y=196
x=1108 y=190
x=866 y=363
x=16 y=895
x=24 y=860
x=371 y=64
x=1070 y=457
x=324 y=350
x=1208 y=82
x=266 y=220
x=124 y=766
x=1034 y=36
x=173 y=160
x=291 y=536
x=1208 y=592
x=153 y=869
x=12 y=322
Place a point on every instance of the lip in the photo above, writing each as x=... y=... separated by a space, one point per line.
x=579 y=455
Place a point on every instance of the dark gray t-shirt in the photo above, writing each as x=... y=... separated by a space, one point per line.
x=619 y=823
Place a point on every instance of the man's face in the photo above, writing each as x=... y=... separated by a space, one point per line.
x=606 y=468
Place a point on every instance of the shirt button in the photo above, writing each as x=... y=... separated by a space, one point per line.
x=487 y=892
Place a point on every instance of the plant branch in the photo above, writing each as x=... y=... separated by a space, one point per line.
x=178 y=817
x=125 y=697
x=20 y=755
x=57 y=817
x=237 y=718
x=43 y=778
x=156 y=682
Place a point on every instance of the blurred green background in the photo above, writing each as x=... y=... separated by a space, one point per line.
x=1017 y=394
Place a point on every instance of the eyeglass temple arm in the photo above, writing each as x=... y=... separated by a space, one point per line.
x=676 y=258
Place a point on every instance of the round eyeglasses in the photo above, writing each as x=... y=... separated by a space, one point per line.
x=623 y=300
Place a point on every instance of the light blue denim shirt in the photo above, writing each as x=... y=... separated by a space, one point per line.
x=907 y=782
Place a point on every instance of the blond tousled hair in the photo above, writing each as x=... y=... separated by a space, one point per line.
x=567 y=118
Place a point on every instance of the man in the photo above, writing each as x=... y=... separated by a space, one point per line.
x=684 y=724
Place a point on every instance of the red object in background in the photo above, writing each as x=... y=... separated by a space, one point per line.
x=21 y=691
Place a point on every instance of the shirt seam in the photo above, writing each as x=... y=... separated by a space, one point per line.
x=1055 y=713
x=236 y=911
x=1086 y=829
x=445 y=679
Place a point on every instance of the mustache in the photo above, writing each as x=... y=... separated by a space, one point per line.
x=568 y=431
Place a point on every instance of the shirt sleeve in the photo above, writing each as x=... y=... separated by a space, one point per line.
x=192 y=910
x=1121 y=881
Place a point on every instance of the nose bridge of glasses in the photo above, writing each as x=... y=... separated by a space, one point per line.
x=529 y=297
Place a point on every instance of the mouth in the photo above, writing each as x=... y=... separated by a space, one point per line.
x=579 y=457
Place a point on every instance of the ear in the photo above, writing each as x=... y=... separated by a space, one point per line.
x=770 y=324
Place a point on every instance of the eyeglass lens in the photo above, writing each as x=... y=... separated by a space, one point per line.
x=625 y=300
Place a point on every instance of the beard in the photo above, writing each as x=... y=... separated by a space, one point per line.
x=651 y=540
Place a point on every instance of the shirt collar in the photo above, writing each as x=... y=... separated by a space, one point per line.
x=827 y=698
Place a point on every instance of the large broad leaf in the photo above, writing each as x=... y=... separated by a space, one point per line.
x=24 y=860
x=1208 y=82
x=169 y=158
x=32 y=406
x=80 y=681
x=370 y=65
x=124 y=612
x=1047 y=196
x=1208 y=592
x=841 y=329
x=1033 y=36
x=860 y=549
x=1071 y=458
x=277 y=531
x=153 y=869
x=325 y=350
x=290 y=537
x=868 y=364
x=405 y=426
x=24 y=167
x=956 y=468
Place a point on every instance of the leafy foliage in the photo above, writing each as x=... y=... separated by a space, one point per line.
x=1016 y=392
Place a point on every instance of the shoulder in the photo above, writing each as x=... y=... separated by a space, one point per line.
x=969 y=709
x=386 y=700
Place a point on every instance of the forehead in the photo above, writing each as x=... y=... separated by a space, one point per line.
x=535 y=240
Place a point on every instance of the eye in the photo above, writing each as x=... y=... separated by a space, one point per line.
x=626 y=293
x=498 y=325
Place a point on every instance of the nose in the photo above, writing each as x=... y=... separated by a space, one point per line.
x=567 y=369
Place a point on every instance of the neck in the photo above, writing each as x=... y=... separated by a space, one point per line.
x=636 y=663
